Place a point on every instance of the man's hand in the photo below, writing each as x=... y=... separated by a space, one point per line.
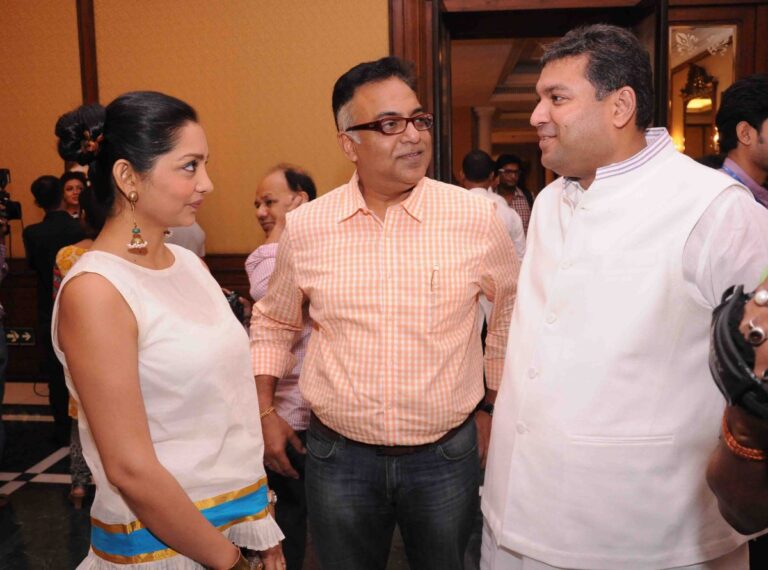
x=483 y=423
x=277 y=435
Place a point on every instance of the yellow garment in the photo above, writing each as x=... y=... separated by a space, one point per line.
x=65 y=259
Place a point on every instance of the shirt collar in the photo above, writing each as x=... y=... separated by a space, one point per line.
x=760 y=193
x=657 y=140
x=353 y=202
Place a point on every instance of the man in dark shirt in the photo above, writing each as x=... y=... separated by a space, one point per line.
x=42 y=242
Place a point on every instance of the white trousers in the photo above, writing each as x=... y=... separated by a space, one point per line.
x=495 y=557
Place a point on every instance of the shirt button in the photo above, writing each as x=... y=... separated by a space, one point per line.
x=551 y=318
x=521 y=428
x=532 y=373
x=566 y=265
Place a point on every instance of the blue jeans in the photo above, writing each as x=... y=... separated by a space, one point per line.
x=355 y=496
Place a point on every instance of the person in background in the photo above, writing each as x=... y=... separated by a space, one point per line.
x=72 y=184
x=283 y=189
x=509 y=169
x=189 y=237
x=157 y=363
x=477 y=173
x=42 y=242
x=3 y=342
x=92 y=223
x=742 y=122
x=711 y=160
x=391 y=266
x=607 y=413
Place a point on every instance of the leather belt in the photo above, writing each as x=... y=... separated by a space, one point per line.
x=388 y=450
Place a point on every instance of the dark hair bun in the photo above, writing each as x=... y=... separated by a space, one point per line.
x=80 y=133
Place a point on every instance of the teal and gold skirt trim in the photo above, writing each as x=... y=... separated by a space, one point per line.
x=133 y=543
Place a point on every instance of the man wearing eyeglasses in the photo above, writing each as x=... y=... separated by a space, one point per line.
x=392 y=265
x=509 y=169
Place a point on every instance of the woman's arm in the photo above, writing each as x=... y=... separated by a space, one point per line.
x=99 y=336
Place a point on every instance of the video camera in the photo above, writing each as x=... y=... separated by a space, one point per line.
x=12 y=209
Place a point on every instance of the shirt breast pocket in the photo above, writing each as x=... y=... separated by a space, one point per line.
x=448 y=298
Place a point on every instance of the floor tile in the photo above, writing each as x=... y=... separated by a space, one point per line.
x=41 y=530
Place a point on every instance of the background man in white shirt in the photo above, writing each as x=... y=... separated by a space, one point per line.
x=476 y=176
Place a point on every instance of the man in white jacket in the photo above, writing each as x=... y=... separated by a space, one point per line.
x=607 y=413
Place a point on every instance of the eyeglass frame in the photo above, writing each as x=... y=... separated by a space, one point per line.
x=515 y=172
x=376 y=125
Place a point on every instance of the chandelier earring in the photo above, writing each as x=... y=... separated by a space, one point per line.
x=137 y=242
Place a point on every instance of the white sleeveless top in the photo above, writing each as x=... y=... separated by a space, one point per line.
x=199 y=395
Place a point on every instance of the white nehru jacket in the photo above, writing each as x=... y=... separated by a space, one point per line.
x=607 y=412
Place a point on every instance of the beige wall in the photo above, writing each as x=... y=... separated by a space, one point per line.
x=39 y=79
x=259 y=73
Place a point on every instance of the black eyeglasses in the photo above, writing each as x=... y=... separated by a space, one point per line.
x=397 y=125
x=508 y=171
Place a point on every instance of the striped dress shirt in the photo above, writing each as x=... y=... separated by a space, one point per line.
x=288 y=401
x=394 y=357
x=519 y=203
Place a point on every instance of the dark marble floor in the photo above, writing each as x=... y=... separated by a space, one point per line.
x=39 y=528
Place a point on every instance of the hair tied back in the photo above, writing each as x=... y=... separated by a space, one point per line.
x=91 y=145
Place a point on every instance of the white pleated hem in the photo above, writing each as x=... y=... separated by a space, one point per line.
x=254 y=535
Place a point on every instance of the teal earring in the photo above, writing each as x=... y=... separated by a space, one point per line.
x=137 y=242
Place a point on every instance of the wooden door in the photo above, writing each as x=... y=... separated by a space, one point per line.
x=421 y=30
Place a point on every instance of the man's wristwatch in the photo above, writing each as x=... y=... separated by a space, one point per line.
x=486 y=407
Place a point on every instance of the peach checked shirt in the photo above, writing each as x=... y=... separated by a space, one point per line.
x=395 y=356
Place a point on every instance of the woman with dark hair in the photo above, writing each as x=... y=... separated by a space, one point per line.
x=72 y=183
x=65 y=260
x=158 y=365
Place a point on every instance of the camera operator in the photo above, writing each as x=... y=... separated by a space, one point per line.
x=42 y=242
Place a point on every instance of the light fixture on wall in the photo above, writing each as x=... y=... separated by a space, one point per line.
x=698 y=89
x=699 y=104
